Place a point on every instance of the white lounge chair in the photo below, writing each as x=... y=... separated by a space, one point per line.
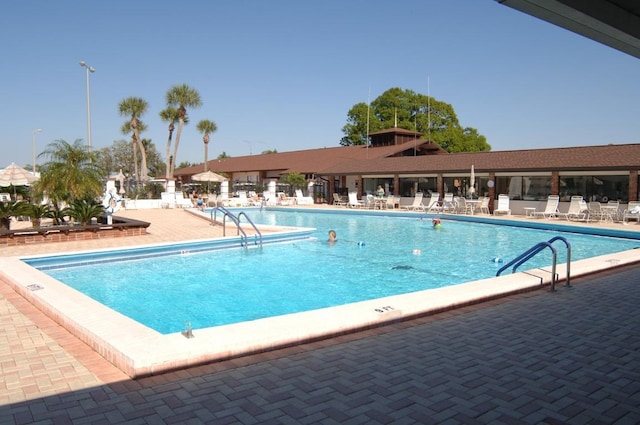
x=503 y=205
x=447 y=203
x=632 y=212
x=391 y=202
x=354 y=202
x=283 y=199
x=183 y=202
x=416 y=205
x=578 y=209
x=303 y=200
x=433 y=205
x=551 y=209
x=167 y=200
x=337 y=200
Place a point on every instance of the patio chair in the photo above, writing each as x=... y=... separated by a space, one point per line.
x=167 y=200
x=303 y=200
x=434 y=203
x=578 y=209
x=447 y=203
x=503 y=205
x=337 y=200
x=632 y=212
x=391 y=202
x=484 y=205
x=183 y=202
x=354 y=202
x=416 y=204
x=283 y=199
x=551 y=209
x=594 y=212
x=462 y=206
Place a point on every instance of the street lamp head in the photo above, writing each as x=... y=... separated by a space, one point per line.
x=89 y=68
x=38 y=130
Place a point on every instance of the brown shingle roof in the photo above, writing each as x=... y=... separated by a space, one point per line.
x=362 y=160
x=305 y=161
x=609 y=157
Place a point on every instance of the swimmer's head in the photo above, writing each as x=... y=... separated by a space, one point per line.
x=332 y=236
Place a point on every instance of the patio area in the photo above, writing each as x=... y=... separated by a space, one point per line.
x=539 y=357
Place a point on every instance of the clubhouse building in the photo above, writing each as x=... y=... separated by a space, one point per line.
x=403 y=163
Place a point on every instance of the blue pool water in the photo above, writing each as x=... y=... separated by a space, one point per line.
x=375 y=256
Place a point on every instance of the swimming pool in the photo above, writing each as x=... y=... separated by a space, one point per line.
x=375 y=257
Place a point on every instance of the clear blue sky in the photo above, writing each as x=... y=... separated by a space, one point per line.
x=283 y=74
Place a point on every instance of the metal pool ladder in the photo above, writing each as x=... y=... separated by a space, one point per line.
x=236 y=219
x=531 y=252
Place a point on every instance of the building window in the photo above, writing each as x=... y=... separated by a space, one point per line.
x=528 y=188
x=595 y=188
x=409 y=186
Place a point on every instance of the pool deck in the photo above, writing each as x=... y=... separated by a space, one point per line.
x=537 y=357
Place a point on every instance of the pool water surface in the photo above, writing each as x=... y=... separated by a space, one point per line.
x=374 y=257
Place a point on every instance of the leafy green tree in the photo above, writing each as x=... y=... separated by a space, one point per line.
x=223 y=155
x=406 y=109
x=206 y=127
x=70 y=172
x=269 y=151
x=181 y=97
x=135 y=107
x=295 y=180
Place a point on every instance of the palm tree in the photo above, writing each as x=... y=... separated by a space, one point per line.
x=135 y=107
x=181 y=97
x=71 y=173
x=170 y=115
x=206 y=127
x=135 y=144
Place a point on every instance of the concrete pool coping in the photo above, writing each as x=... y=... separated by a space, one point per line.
x=139 y=351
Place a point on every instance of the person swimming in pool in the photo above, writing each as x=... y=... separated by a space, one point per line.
x=332 y=236
x=437 y=224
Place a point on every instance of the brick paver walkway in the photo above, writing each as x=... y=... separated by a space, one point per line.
x=567 y=357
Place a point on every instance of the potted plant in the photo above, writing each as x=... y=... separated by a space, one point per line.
x=37 y=212
x=83 y=211
x=11 y=209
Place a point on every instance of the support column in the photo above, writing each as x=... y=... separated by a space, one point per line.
x=396 y=184
x=555 y=183
x=633 y=185
x=492 y=191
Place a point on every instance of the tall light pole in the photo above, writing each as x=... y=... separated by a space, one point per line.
x=89 y=69
x=33 y=147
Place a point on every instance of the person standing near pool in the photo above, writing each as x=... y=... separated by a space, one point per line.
x=380 y=191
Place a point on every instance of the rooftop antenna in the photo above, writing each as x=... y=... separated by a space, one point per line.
x=368 y=107
x=415 y=129
x=429 y=108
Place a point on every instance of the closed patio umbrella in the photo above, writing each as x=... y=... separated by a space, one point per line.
x=472 y=181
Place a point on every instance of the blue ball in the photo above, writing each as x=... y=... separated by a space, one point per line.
x=497 y=260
